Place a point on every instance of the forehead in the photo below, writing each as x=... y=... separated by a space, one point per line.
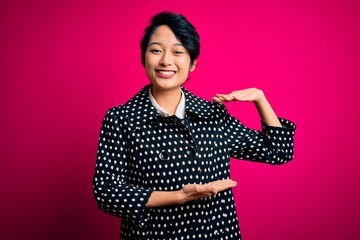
x=164 y=35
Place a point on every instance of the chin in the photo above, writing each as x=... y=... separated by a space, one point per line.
x=167 y=83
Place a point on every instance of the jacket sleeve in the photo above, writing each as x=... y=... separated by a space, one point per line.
x=273 y=145
x=112 y=192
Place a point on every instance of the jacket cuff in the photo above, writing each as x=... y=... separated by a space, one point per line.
x=281 y=139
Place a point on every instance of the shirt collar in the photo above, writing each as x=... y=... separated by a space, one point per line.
x=140 y=109
x=180 y=110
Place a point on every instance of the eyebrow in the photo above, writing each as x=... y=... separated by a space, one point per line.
x=159 y=43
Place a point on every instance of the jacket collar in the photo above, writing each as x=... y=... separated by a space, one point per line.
x=140 y=109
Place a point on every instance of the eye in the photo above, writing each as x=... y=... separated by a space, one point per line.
x=178 y=52
x=155 y=51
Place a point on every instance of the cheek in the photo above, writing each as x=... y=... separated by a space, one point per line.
x=185 y=65
x=148 y=71
x=146 y=60
x=150 y=59
x=149 y=65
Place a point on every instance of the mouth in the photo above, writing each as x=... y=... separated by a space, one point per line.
x=165 y=73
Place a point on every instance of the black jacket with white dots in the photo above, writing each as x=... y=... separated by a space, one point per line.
x=139 y=152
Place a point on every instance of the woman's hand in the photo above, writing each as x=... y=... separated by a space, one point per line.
x=256 y=96
x=245 y=95
x=188 y=193
x=192 y=192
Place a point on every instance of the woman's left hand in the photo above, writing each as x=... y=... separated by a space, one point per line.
x=245 y=95
x=256 y=96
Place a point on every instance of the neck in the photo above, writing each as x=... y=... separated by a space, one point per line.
x=168 y=100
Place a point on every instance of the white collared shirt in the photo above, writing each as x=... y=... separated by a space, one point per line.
x=180 y=110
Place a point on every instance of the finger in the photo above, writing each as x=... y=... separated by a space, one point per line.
x=228 y=97
x=209 y=188
x=219 y=97
x=222 y=181
x=204 y=189
x=223 y=184
x=216 y=99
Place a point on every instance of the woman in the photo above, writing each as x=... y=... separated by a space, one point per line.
x=163 y=157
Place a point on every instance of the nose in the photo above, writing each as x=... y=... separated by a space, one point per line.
x=166 y=59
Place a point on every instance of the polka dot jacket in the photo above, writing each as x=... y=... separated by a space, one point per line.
x=140 y=151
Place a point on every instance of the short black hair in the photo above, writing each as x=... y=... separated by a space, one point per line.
x=182 y=28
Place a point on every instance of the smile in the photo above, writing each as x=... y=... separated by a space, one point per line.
x=166 y=72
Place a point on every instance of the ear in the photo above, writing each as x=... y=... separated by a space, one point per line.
x=193 y=66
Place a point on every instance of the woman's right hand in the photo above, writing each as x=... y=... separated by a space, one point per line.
x=188 y=193
x=192 y=192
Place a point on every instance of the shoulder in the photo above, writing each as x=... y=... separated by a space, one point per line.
x=135 y=112
x=116 y=111
x=133 y=103
x=114 y=116
x=202 y=107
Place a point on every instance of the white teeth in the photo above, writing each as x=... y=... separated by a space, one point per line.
x=168 y=73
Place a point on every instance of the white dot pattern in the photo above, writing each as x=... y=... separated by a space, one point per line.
x=139 y=152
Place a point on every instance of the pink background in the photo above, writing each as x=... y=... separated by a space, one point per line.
x=64 y=63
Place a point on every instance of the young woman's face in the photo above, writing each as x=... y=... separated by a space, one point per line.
x=167 y=62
